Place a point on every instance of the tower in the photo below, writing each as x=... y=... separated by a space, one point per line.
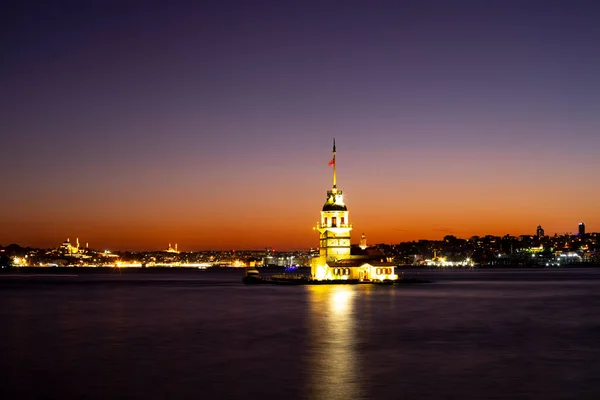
x=363 y=241
x=581 y=229
x=334 y=228
x=335 y=261
x=540 y=231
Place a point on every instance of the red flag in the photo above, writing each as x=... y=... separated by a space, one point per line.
x=332 y=162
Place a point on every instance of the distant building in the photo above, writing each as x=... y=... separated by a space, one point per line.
x=363 y=241
x=540 y=231
x=67 y=249
x=581 y=229
x=171 y=249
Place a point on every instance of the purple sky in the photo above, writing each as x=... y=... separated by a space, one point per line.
x=134 y=124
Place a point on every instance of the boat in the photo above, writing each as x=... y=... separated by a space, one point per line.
x=252 y=277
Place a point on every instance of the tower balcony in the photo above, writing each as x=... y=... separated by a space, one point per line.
x=326 y=226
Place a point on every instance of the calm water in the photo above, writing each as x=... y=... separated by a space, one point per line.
x=199 y=334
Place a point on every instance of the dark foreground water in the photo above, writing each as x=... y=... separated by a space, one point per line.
x=199 y=334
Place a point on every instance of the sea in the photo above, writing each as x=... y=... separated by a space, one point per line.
x=202 y=334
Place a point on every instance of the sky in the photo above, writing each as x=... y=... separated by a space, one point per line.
x=134 y=124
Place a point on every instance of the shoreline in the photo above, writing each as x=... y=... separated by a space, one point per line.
x=100 y=269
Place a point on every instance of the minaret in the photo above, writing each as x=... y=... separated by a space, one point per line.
x=363 y=241
x=334 y=228
x=334 y=168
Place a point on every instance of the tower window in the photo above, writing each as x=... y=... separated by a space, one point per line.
x=333 y=221
x=342 y=221
x=325 y=221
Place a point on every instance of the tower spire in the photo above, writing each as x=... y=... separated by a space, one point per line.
x=334 y=166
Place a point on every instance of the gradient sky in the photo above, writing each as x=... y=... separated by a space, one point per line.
x=134 y=124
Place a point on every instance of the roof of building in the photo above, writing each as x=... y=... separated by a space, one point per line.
x=346 y=263
x=359 y=263
x=382 y=264
x=334 y=207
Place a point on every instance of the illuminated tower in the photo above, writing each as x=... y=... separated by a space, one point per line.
x=363 y=241
x=334 y=228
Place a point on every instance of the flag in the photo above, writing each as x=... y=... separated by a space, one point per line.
x=332 y=162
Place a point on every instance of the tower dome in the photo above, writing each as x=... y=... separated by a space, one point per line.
x=335 y=202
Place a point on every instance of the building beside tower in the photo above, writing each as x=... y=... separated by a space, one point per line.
x=335 y=260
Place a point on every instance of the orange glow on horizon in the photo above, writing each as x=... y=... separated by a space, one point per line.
x=286 y=233
x=456 y=199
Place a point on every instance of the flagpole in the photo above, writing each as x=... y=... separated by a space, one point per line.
x=334 y=166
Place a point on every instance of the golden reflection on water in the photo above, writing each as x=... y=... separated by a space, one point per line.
x=334 y=360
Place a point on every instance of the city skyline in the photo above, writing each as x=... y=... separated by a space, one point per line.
x=361 y=241
x=210 y=125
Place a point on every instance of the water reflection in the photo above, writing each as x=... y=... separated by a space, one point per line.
x=333 y=364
